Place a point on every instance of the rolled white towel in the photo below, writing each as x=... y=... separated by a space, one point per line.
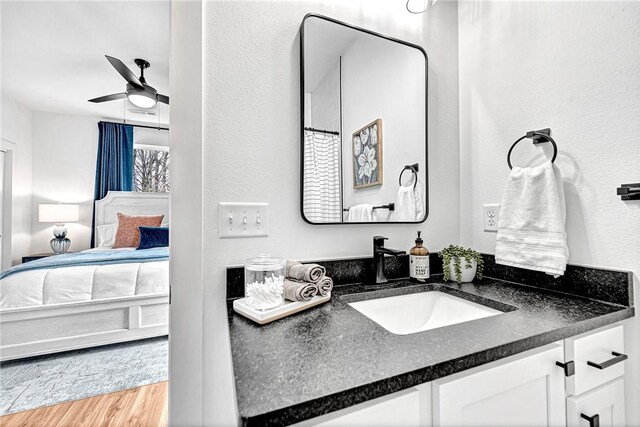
x=299 y=291
x=325 y=285
x=304 y=272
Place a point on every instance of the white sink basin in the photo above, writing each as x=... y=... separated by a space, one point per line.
x=407 y=314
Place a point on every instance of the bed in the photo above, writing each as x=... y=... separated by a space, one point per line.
x=96 y=297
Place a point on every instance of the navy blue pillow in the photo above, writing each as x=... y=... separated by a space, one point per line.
x=153 y=237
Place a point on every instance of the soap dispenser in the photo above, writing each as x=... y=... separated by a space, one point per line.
x=419 y=261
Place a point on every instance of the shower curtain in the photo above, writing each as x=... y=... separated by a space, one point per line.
x=321 y=192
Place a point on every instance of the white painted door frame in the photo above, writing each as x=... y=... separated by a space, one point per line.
x=7 y=205
x=2 y=197
x=186 y=370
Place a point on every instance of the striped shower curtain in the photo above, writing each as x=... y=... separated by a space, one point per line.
x=321 y=192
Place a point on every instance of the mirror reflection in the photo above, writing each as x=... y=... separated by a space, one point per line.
x=364 y=156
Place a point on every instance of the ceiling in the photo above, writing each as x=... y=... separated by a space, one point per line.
x=53 y=54
x=325 y=41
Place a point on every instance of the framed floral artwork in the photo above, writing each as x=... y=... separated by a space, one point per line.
x=367 y=155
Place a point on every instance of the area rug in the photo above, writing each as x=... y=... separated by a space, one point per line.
x=48 y=380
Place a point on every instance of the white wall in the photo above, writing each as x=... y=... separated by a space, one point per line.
x=150 y=137
x=574 y=67
x=251 y=153
x=392 y=89
x=16 y=138
x=64 y=170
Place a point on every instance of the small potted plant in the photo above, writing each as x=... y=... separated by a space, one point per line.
x=461 y=264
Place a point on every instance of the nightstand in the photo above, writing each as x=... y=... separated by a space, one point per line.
x=34 y=257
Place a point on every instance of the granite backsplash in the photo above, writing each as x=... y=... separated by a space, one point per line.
x=601 y=284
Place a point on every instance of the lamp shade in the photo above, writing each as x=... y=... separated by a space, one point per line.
x=58 y=213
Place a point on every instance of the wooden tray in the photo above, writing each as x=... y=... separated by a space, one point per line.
x=267 y=316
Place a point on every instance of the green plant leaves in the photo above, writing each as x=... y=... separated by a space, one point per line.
x=455 y=253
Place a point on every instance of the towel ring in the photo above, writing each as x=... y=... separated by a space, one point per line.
x=414 y=169
x=541 y=137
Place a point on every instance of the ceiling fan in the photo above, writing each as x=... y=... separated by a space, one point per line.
x=138 y=91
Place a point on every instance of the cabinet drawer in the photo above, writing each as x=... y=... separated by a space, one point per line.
x=598 y=357
x=603 y=406
x=397 y=409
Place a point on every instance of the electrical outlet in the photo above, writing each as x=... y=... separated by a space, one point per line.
x=490 y=215
x=243 y=219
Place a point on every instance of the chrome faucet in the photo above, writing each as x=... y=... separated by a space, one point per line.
x=378 y=258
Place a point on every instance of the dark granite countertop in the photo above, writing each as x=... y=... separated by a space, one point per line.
x=331 y=356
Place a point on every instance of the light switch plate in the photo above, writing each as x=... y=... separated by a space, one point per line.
x=490 y=215
x=243 y=220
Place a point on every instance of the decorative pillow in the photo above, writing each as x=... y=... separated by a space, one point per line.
x=106 y=235
x=153 y=237
x=128 y=235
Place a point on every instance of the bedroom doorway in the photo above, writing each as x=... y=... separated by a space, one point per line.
x=84 y=288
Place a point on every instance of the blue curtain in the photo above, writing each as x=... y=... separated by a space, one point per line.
x=114 y=165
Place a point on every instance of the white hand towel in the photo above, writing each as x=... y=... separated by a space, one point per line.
x=409 y=204
x=419 y=202
x=531 y=224
x=360 y=213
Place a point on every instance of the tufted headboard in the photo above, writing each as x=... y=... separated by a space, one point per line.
x=130 y=203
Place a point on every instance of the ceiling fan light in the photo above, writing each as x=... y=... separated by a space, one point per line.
x=420 y=6
x=141 y=100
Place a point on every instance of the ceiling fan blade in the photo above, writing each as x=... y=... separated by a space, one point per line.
x=124 y=71
x=162 y=98
x=111 y=97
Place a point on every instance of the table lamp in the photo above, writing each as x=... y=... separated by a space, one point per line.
x=59 y=214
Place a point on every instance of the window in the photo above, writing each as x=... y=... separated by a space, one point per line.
x=151 y=169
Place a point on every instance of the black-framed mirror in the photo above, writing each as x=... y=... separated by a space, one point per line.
x=364 y=126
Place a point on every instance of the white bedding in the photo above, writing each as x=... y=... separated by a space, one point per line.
x=83 y=283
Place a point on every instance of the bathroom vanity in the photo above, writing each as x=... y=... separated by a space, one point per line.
x=525 y=389
x=539 y=351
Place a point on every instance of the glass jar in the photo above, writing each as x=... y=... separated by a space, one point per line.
x=264 y=282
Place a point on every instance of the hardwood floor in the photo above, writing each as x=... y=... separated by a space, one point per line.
x=142 y=406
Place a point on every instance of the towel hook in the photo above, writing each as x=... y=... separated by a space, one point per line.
x=414 y=168
x=538 y=137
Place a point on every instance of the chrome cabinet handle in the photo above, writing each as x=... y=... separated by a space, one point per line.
x=619 y=357
x=594 y=421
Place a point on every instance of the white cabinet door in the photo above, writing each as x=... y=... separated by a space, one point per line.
x=602 y=407
x=397 y=409
x=524 y=390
